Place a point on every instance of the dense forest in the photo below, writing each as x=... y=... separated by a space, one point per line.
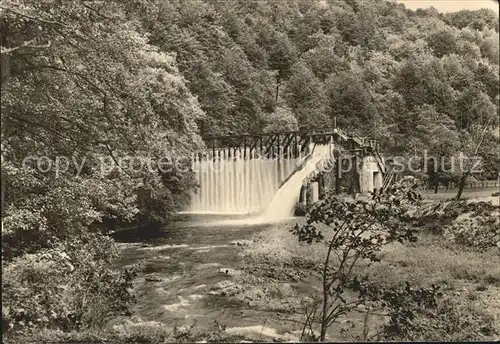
x=97 y=81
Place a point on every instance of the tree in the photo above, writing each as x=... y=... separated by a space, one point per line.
x=281 y=55
x=306 y=97
x=95 y=112
x=324 y=59
x=471 y=143
x=437 y=136
x=349 y=101
x=442 y=42
x=104 y=95
x=357 y=231
x=280 y=120
x=476 y=20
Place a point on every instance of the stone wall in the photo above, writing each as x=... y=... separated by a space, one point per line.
x=370 y=175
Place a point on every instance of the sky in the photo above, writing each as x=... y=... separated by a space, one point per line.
x=451 y=5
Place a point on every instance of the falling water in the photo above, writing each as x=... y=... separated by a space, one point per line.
x=287 y=196
x=237 y=181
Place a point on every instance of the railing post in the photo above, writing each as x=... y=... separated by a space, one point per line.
x=279 y=143
x=213 y=150
x=260 y=142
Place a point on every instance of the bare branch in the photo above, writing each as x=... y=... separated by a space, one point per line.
x=114 y=159
x=27 y=44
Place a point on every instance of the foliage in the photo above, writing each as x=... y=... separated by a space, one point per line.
x=81 y=83
x=67 y=287
x=427 y=314
x=107 y=95
x=376 y=67
x=301 y=209
x=435 y=217
x=359 y=230
x=98 y=82
x=475 y=232
x=139 y=331
x=280 y=120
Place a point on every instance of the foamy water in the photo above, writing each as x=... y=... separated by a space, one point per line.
x=281 y=203
x=249 y=221
x=237 y=182
x=282 y=206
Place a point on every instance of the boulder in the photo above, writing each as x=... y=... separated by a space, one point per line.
x=225 y=288
x=230 y=272
x=241 y=242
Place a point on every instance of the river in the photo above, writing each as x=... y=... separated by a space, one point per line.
x=182 y=262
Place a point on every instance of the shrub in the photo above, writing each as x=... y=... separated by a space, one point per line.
x=476 y=232
x=142 y=332
x=68 y=287
x=356 y=232
x=426 y=314
x=435 y=218
x=301 y=209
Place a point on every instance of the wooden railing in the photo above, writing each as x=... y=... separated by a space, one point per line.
x=481 y=184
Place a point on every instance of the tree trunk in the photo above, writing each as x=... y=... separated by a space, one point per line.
x=324 y=313
x=436 y=186
x=3 y=197
x=5 y=61
x=5 y=67
x=278 y=83
x=461 y=185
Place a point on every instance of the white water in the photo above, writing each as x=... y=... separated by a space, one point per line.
x=282 y=206
x=251 y=185
x=237 y=182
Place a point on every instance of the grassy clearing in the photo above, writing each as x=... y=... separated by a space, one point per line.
x=429 y=262
x=425 y=262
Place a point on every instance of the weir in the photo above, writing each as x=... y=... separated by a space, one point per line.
x=263 y=174
x=239 y=182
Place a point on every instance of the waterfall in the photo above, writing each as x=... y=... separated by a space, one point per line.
x=284 y=201
x=237 y=180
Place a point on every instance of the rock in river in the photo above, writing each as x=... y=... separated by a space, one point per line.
x=230 y=272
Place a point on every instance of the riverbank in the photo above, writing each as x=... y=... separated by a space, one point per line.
x=254 y=282
x=471 y=279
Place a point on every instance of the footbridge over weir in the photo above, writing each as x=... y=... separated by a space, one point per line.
x=249 y=174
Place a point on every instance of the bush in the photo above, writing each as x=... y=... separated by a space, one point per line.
x=474 y=225
x=478 y=233
x=302 y=209
x=435 y=218
x=68 y=287
x=425 y=314
x=356 y=232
